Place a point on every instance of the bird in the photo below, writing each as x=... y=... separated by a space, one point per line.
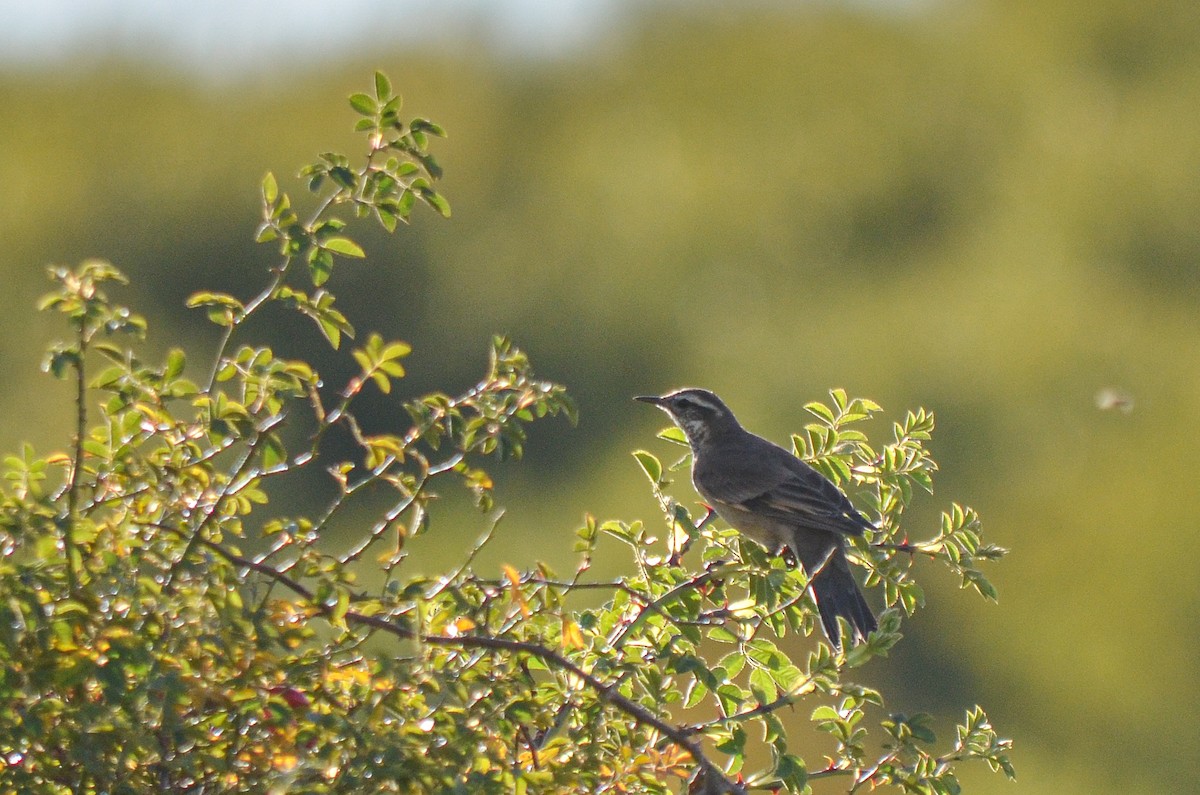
x=778 y=500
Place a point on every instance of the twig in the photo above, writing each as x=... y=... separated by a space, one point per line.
x=785 y=700
x=230 y=488
x=864 y=776
x=76 y=457
x=280 y=272
x=656 y=605
x=830 y=772
x=607 y=693
x=912 y=549
x=479 y=545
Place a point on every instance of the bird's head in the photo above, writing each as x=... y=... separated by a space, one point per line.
x=699 y=413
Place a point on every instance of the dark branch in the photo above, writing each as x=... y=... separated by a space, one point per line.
x=606 y=692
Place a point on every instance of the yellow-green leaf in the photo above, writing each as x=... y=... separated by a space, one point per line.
x=344 y=246
x=650 y=465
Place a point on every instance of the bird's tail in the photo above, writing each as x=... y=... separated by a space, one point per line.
x=838 y=595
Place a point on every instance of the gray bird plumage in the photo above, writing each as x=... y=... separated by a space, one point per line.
x=775 y=498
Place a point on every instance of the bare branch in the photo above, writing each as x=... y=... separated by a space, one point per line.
x=606 y=692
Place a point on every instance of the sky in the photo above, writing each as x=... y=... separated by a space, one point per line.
x=219 y=36
x=228 y=37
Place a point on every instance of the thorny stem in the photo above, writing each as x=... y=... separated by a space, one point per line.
x=410 y=497
x=411 y=437
x=76 y=457
x=656 y=606
x=475 y=550
x=214 y=506
x=830 y=772
x=866 y=775
x=606 y=692
x=910 y=548
x=280 y=272
x=406 y=502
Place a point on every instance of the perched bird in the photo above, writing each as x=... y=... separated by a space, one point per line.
x=772 y=496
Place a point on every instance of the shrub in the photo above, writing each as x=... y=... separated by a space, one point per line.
x=165 y=628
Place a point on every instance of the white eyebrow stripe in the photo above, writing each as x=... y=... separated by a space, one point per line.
x=699 y=400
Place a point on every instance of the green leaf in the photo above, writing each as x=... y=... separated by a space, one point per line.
x=396 y=350
x=222 y=317
x=383 y=87
x=395 y=370
x=762 y=686
x=673 y=434
x=387 y=218
x=792 y=772
x=107 y=377
x=96 y=448
x=405 y=203
x=731 y=697
x=344 y=246
x=337 y=616
x=722 y=635
x=58 y=361
x=732 y=663
x=364 y=361
x=825 y=713
x=343 y=176
x=266 y=233
x=331 y=331
x=214 y=299
x=270 y=189
x=437 y=201
x=320 y=266
x=425 y=125
x=432 y=166
x=274 y=453
x=175 y=363
x=820 y=410
x=696 y=692
x=381 y=380
x=650 y=465
x=364 y=104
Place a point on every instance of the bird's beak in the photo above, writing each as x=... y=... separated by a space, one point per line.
x=653 y=400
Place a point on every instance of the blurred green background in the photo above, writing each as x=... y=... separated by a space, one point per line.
x=987 y=208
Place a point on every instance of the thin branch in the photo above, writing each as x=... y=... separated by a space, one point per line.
x=865 y=776
x=831 y=772
x=280 y=273
x=479 y=545
x=606 y=692
x=76 y=458
x=911 y=549
x=529 y=578
x=214 y=506
x=785 y=700
x=656 y=606
x=406 y=502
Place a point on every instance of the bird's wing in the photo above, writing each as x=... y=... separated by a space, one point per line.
x=783 y=487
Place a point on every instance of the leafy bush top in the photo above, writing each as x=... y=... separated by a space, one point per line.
x=164 y=628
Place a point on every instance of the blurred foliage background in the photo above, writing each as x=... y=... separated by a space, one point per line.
x=986 y=208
